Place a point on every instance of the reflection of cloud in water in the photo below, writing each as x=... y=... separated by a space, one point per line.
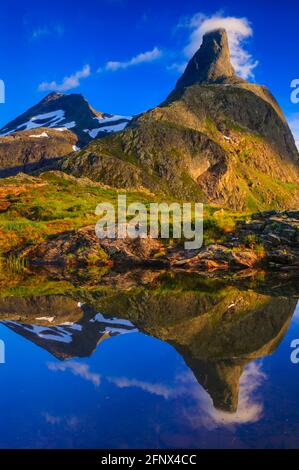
x=51 y=419
x=249 y=409
x=76 y=368
x=202 y=412
x=153 y=388
x=71 y=422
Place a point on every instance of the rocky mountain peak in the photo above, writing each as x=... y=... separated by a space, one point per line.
x=67 y=111
x=52 y=96
x=211 y=63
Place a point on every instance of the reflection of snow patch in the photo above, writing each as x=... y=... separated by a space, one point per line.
x=56 y=333
x=68 y=125
x=114 y=326
x=101 y=319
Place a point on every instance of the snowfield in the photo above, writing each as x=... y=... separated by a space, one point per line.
x=39 y=136
x=56 y=120
x=41 y=120
x=110 y=127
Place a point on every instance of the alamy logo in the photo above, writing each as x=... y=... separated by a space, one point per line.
x=2 y=352
x=176 y=221
x=2 y=92
x=295 y=353
x=295 y=92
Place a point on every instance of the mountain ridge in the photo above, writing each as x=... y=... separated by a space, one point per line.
x=69 y=111
x=216 y=138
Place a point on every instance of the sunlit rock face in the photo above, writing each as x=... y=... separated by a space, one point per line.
x=216 y=138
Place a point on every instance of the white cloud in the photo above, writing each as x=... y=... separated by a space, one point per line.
x=39 y=32
x=238 y=30
x=294 y=125
x=148 y=56
x=76 y=368
x=68 y=83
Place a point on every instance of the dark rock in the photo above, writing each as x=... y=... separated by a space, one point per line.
x=211 y=63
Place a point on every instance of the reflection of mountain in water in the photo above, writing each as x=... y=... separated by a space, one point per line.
x=217 y=331
x=77 y=337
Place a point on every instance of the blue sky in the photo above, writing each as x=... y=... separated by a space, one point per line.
x=125 y=56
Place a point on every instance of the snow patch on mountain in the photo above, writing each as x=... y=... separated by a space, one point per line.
x=39 y=136
x=41 y=120
x=108 y=124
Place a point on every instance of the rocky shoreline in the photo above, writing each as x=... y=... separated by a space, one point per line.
x=268 y=240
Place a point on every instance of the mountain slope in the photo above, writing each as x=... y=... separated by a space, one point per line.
x=216 y=138
x=71 y=112
x=26 y=151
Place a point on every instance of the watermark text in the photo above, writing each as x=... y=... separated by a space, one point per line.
x=166 y=221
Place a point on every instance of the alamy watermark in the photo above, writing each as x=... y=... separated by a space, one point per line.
x=295 y=92
x=2 y=92
x=166 y=221
x=2 y=352
x=295 y=352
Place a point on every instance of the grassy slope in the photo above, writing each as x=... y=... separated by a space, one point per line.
x=49 y=205
x=35 y=209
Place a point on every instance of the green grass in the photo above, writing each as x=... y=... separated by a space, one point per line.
x=55 y=203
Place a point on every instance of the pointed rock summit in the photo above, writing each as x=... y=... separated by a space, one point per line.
x=211 y=63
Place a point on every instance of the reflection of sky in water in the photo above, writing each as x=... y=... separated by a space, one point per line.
x=136 y=391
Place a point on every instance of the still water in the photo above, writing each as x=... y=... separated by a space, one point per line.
x=155 y=362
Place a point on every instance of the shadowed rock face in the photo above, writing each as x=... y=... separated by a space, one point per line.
x=211 y=63
x=26 y=151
